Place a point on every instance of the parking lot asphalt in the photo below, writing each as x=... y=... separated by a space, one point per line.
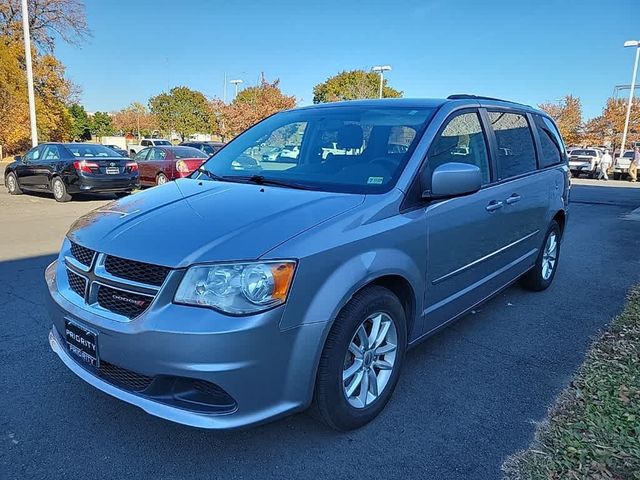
x=468 y=397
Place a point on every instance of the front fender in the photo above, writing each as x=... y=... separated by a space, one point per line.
x=321 y=299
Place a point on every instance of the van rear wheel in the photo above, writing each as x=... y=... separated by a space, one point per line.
x=542 y=274
x=361 y=360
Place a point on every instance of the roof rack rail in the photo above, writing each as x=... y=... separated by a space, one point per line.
x=466 y=96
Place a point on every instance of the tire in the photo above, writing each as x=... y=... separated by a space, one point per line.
x=617 y=176
x=12 y=184
x=331 y=403
x=161 y=179
x=59 y=190
x=121 y=194
x=538 y=278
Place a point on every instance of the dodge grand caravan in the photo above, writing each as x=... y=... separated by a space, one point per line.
x=255 y=289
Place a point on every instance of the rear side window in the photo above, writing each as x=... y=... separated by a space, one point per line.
x=550 y=146
x=462 y=140
x=516 y=151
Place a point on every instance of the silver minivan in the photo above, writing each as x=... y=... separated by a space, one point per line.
x=255 y=289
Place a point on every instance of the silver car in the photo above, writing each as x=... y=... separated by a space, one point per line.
x=252 y=291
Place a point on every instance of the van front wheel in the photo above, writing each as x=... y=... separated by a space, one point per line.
x=361 y=361
x=542 y=274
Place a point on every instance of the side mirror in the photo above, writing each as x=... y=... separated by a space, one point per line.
x=454 y=179
x=18 y=158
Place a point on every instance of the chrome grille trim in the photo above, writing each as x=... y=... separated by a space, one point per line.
x=97 y=276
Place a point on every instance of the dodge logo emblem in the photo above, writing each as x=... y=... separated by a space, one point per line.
x=120 y=298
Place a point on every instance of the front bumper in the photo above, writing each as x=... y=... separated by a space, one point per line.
x=267 y=371
x=582 y=166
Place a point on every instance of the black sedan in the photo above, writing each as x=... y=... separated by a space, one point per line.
x=66 y=169
x=207 y=147
x=120 y=151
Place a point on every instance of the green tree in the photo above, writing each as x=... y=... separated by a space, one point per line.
x=182 y=110
x=81 y=128
x=351 y=85
x=101 y=124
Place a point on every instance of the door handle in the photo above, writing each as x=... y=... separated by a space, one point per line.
x=513 y=199
x=494 y=205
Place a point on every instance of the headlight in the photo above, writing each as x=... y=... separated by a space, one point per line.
x=237 y=288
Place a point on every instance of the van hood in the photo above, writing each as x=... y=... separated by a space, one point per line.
x=192 y=221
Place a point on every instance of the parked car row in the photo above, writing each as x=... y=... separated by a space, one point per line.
x=68 y=169
x=586 y=161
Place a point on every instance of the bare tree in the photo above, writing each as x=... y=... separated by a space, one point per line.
x=48 y=19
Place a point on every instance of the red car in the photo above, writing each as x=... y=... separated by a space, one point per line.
x=158 y=165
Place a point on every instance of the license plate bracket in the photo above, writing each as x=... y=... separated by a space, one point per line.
x=82 y=343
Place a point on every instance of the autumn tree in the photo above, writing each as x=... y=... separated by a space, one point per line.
x=135 y=119
x=568 y=115
x=611 y=122
x=52 y=93
x=352 y=85
x=14 y=115
x=181 y=110
x=48 y=19
x=255 y=103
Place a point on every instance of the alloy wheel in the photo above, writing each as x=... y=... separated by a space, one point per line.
x=161 y=180
x=549 y=256
x=11 y=183
x=370 y=360
x=58 y=189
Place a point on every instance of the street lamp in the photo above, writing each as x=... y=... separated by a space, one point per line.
x=27 y=54
x=381 y=69
x=235 y=84
x=636 y=44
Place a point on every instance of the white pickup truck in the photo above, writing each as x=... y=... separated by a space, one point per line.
x=621 y=165
x=134 y=148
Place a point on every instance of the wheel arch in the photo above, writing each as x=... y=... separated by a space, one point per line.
x=561 y=219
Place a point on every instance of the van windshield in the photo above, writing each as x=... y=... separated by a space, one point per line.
x=339 y=149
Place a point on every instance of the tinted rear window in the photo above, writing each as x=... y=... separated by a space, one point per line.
x=516 y=151
x=84 y=150
x=550 y=143
x=188 y=152
x=584 y=153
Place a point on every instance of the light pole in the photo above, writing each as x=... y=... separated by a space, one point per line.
x=636 y=44
x=381 y=69
x=27 y=54
x=235 y=84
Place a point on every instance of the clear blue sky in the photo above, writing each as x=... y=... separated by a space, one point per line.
x=530 y=51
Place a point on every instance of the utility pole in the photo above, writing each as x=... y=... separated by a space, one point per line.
x=636 y=44
x=224 y=89
x=381 y=69
x=235 y=84
x=27 y=54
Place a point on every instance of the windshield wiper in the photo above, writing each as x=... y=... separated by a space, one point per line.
x=260 y=180
x=211 y=175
